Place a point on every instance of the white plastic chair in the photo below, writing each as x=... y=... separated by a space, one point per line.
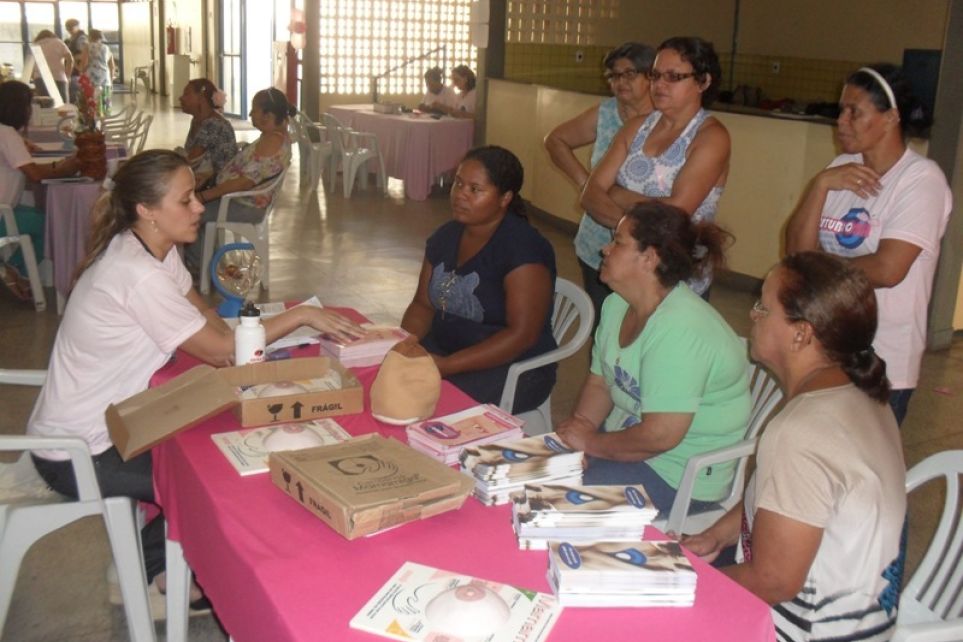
x=359 y=148
x=257 y=234
x=931 y=606
x=314 y=148
x=23 y=522
x=8 y=245
x=572 y=306
x=336 y=158
x=766 y=395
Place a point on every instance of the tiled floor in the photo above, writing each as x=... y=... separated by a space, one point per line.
x=364 y=253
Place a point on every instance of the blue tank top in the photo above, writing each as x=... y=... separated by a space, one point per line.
x=591 y=235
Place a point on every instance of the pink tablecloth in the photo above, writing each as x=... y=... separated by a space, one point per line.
x=275 y=572
x=67 y=227
x=416 y=149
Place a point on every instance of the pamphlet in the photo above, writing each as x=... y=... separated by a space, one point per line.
x=246 y=449
x=424 y=603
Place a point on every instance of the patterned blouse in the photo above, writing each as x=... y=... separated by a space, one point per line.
x=246 y=163
x=216 y=137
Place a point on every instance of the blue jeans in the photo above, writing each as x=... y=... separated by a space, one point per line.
x=899 y=402
x=606 y=471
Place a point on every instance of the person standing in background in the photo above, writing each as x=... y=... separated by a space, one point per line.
x=97 y=62
x=60 y=61
x=77 y=43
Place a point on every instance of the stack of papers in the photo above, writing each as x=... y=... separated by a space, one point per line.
x=367 y=350
x=424 y=603
x=621 y=574
x=445 y=437
x=543 y=512
x=503 y=468
x=301 y=336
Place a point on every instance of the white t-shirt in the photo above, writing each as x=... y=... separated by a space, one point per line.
x=465 y=102
x=13 y=156
x=833 y=459
x=126 y=316
x=444 y=97
x=913 y=206
x=54 y=51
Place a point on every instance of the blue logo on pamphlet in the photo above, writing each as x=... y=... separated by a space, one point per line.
x=514 y=455
x=577 y=497
x=634 y=497
x=555 y=445
x=569 y=555
x=440 y=430
x=631 y=555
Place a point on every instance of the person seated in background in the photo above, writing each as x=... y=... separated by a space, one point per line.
x=60 y=61
x=678 y=154
x=258 y=162
x=463 y=105
x=438 y=95
x=824 y=510
x=484 y=297
x=625 y=69
x=668 y=378
x=17 y=167
x=210 y=142
x=131 y=307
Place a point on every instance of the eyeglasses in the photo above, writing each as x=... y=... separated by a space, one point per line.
x=615 y=76
x=668 y=76
x=760 y=309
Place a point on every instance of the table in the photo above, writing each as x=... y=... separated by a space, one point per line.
x=416 y=149
x=276 y=572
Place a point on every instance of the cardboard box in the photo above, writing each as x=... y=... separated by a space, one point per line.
x=367 y=484
x=138 y=423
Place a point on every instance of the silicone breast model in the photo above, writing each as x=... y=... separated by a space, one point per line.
x=469 y=612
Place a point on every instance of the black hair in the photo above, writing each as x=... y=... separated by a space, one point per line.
x=274 y=102
x=641 y=56
x=505 y=172
x=15 y=108
x=913 y=117
x=204 y=87
x=838 y=302
x=468 y=74
x=436 y=74
x=702 y=56
x=684 y=247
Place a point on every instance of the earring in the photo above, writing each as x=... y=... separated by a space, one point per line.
x=153 y=225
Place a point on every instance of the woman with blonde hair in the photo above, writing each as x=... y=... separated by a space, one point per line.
x=131 y=307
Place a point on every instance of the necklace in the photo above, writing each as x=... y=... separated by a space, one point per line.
x=444 y=290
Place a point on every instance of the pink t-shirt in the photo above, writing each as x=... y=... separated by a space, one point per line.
x=13 y=156
x=125 y=317
x=913 y=206
x=55 y=51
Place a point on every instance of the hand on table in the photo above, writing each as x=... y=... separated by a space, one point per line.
x=332 y=323
x=576 y=431
x=32 y=147
x=855 y=177
x=704 y=544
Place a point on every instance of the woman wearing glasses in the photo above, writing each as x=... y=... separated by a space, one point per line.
x=678 y=154
x=625 y=69
x=820 y=526
x=884 y=207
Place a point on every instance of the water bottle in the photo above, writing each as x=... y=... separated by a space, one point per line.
x=249 y=336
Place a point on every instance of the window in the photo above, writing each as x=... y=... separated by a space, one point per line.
x=361 y=39
x=561 y=22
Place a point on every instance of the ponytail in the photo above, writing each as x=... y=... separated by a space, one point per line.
x=144 y=179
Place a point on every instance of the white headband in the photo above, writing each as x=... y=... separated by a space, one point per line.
x=882 y=83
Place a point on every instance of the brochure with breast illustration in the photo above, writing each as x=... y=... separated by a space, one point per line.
x=248 y=450
x=424 y=603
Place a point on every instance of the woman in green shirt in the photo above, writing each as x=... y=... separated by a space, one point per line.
x=668 y=375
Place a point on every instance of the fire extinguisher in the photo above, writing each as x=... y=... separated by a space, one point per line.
x=171 y=39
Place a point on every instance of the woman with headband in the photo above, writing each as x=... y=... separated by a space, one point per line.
x=884 y=207
x=210 y=142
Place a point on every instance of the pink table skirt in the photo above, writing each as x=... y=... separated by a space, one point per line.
x=276 y=572
x=67 y=226
x=416 y=149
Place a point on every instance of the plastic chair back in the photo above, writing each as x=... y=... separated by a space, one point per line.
x=13 y=239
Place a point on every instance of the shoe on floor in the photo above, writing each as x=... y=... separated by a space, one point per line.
x=156 y=599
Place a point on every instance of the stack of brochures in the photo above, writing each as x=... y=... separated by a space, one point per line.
x=424 y=603
x=367 y=350
x=543 y=512
x=445 y=437
x=503 y=468
x=621 y=574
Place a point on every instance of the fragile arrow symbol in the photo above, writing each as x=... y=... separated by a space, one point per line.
x=300 y=492
x=297 y=405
